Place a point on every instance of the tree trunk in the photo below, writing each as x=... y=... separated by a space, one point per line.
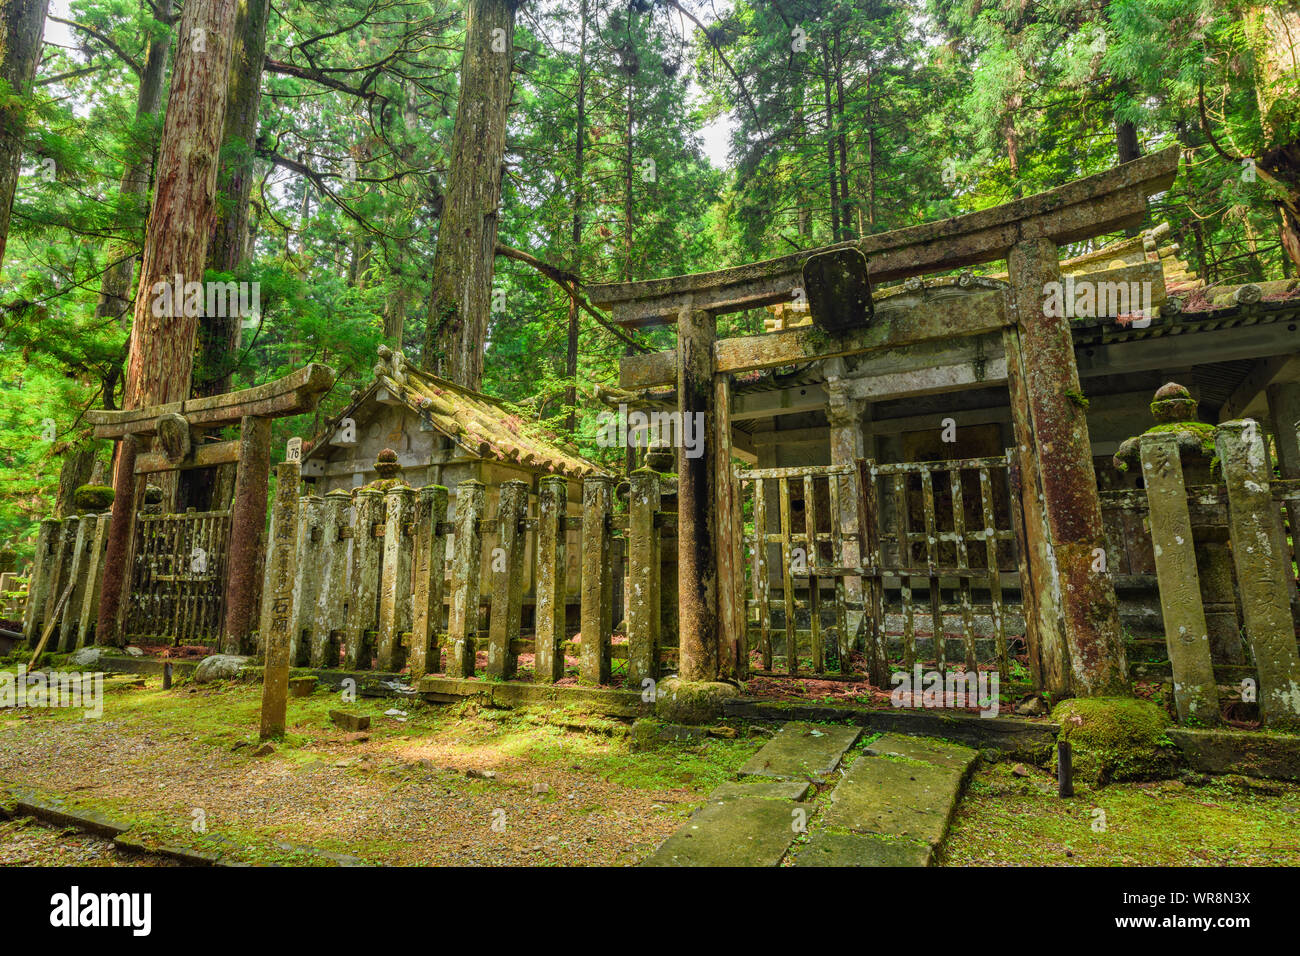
x=78 y=464
x=115 y=290
x=1276 y=88
x=575 y=255
x=22 y=26
x=831 y=172
x=1126 y=142
x=219 y=335
x=162 y=335
x=467 y=234
x=846 y=204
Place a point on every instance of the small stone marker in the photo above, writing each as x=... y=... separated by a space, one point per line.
x=301 y=686
x=280 y=555
x=350 y=722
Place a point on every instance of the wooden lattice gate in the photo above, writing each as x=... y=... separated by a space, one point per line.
x=914 y=550
x=178 y=577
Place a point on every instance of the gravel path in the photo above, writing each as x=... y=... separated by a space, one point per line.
x=440 y=788
x=27 y=842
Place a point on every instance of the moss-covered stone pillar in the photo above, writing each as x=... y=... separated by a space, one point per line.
x=1195 y=694
x=429 y=563
x=281 y=553
x=1284 y=408
x=1262 y=563
x=366 y=557
x=1175 y=410
x=395 y=587
x=507 y=580
x=552 y=509
x=38 y=580
x=643 y=615
x=697 y=528
x=1057 y=411
x=466 y=566
x=247 y=526
x=597 y=613
x=847 y=446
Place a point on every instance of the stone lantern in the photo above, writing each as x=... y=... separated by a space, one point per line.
x=1174 y=411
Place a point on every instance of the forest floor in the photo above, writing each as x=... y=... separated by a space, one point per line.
x=1011 y=815
x=462 y=784
x=452 y=784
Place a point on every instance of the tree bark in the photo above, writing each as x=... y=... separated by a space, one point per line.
x=78 y=463
x=846 y=204
x=575 y=256
x=161 y=358
x=162 y=346
x=1276 y=86
x=219 y=336
x=22 y=26
x=1126 y=142
x=467 y=234
x=115 y=290
x=832 y=177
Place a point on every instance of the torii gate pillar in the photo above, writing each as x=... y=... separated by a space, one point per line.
x=709 y=622
x=1080 y=643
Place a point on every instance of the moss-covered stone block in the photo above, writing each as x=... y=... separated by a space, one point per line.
x=92 y=498
x=691 y=702
x=1117 y=738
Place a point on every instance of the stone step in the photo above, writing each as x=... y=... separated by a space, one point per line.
x=893 y=807
x=927 y=749
x=802 y=751
x=842 y=848
x=752 y=787
x=894 y=797
x=735 y=831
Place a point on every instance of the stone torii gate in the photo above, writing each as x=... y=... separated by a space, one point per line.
x=1071 y=612
x=169 y=438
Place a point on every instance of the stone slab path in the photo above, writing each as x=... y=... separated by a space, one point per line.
x=802 y=751
x=891 y=808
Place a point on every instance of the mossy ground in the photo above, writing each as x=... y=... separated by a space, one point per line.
x=1008 y=820
x=400 y=794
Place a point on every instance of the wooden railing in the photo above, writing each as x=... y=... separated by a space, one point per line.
x=178 y=577
x=847 y=538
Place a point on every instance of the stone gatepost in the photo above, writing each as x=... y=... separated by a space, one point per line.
x=1056 y=457
x=1262 y=563
x=1174 y=411
x=847 y=446
x=283 y=548
x=1195 y=694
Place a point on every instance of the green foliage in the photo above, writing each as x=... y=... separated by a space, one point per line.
x=847 y=118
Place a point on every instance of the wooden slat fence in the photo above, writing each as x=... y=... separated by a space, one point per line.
x=943 y=528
